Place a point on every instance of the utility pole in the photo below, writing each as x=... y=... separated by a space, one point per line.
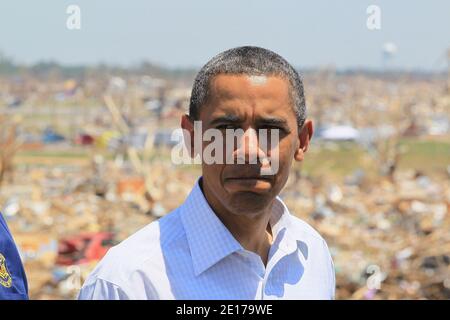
x=448 y=70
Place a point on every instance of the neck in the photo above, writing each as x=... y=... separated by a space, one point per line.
x=253 y=231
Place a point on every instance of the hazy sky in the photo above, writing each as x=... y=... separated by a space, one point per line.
x=187 y=33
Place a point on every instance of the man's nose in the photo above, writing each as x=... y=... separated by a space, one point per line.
x=248 y=149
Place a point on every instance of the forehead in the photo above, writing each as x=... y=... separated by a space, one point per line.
x=230 y=93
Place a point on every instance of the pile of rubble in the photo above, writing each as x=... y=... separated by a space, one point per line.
x=64 y=219
x=388 y=234
x=389 y=237
x=389 y=240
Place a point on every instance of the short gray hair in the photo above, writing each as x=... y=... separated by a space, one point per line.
x=247 y=60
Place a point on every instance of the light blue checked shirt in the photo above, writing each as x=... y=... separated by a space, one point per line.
x=190 y=254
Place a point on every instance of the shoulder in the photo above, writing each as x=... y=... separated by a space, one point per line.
x=317 y=245
x=304 y=232
x=122 y=263
x=4 y=226
x=149 y=240
x=304 y=229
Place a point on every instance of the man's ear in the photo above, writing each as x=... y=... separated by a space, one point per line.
x=187 y=124
x=304 y=136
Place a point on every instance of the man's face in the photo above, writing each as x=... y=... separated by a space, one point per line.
x=251 y=103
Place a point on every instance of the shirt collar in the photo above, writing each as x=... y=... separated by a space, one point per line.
x=210 y=241
x=283 y=231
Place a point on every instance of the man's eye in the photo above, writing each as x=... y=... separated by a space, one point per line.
x=270 y=128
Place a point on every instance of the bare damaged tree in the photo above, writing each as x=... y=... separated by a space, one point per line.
x=9 y=145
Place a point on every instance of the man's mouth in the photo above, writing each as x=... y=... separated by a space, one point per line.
x=256 y=183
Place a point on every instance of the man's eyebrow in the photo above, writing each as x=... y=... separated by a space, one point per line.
x=274 y=121
x=228 y=118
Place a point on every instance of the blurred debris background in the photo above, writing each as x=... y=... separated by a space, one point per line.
x=85 y=162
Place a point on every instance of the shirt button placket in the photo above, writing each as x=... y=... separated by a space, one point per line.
x=258 y=266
